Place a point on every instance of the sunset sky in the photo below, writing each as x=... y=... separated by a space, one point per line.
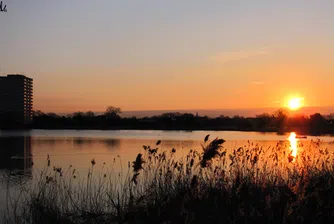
x=169 y=55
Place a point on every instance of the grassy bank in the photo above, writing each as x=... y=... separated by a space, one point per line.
x=243 y=185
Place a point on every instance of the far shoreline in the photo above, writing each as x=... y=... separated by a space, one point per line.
x=269 y=131
x=279 y=122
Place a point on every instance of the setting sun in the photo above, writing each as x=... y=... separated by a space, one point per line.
x=295 y=103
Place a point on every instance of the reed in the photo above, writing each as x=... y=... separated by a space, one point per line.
x=246 y=184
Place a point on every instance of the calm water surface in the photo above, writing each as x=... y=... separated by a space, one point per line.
x=20 y=149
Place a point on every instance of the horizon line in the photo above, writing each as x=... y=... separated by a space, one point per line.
x=213 y=112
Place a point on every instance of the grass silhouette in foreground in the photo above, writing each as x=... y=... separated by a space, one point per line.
x=215 y=185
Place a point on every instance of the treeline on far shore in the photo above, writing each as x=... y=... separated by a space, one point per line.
x=279 y=121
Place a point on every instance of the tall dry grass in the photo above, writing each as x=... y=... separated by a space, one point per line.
x=242 y=185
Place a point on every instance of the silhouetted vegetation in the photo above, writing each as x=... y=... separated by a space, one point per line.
x=279 y=122
x=250 y=184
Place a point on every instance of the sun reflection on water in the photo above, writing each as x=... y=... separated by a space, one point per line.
x=293 y=144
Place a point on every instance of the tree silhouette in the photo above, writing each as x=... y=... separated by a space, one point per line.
x=318 y=124
x=38 y=113
x=263 y=120
x=112 y=112
x=89 y=114
x=280 y=119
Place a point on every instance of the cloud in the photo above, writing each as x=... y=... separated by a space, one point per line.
x=224 y=57
x=256 y=83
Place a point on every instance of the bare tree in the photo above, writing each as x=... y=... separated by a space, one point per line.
x=89 y=114
x=38 y=113
x=112 y=112
x=280 y=117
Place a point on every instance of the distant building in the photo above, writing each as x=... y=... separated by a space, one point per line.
x=16 y=99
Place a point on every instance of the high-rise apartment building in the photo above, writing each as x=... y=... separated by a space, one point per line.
x=16 y=99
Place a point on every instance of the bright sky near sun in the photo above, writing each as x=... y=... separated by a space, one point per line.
x=156 y=54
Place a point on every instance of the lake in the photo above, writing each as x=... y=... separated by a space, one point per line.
x=25 y=152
